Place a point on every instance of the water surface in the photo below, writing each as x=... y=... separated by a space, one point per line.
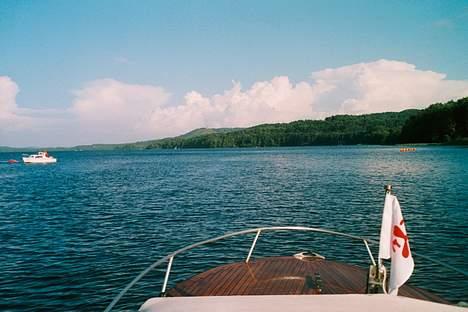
x=74 y=233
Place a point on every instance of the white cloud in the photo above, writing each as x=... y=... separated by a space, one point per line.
x=108 y=110
x=28 y=127
x=112 y=111
x=10 y=117
x=383 y=86
x=277 y=100
x=8 y=89
x=356 y=89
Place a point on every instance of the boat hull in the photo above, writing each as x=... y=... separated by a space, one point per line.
x=31 y=160
x=295 y=303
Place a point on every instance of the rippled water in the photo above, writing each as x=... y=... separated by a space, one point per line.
x=74 y=233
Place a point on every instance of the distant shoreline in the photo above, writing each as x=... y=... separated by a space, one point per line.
x=71 y=149
x=438 y=124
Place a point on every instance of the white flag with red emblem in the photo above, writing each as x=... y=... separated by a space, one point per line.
x=394 y=244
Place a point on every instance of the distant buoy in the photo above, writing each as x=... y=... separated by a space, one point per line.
x=12 y=161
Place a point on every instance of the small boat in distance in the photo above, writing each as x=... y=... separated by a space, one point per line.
x=407 y=149
x=39 y=158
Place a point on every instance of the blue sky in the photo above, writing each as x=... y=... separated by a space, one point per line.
x=51 y=49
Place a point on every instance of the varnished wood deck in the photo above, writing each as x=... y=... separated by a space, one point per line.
x=284 y=276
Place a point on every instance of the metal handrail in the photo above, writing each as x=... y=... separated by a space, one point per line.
x=170 y=257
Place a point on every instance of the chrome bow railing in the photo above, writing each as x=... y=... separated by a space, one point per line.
x=170 y=257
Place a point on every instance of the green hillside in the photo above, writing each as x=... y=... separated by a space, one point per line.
x=439 y=123
x=145 y=144
x=381 y=128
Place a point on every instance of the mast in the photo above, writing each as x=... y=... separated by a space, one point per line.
x=377 y=273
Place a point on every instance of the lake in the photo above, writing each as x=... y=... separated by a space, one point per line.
x=73 y=234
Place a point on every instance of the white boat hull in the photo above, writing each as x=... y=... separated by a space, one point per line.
x=32 y=160
x=295 y=303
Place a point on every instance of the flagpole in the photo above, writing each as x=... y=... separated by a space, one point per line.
x=382 y=271
x=377 y=277
x=388 y=191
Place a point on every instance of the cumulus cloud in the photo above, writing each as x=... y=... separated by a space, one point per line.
x=356 y=89
x=383 y=86
x=26 y=127
x=108 y=110
x=277 y=100
x=8 y=91
x=112 y=111
x=11 y=118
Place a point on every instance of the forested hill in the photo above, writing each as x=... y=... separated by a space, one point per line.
x=381 y=128
x=439 y=123
x=146 y=144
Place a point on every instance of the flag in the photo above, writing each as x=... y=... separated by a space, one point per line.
x=394 y=244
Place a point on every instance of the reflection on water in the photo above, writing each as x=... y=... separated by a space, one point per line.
x=73 y=234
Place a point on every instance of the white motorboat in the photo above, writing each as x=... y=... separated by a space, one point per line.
x=39 y=158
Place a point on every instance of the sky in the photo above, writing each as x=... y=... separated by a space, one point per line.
x=83 y=72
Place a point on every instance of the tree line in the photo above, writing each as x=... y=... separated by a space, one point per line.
x=439 y=123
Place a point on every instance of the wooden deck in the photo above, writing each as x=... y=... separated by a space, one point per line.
x=284 y=276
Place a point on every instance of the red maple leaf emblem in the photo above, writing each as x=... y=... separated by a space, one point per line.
x=398 y=232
